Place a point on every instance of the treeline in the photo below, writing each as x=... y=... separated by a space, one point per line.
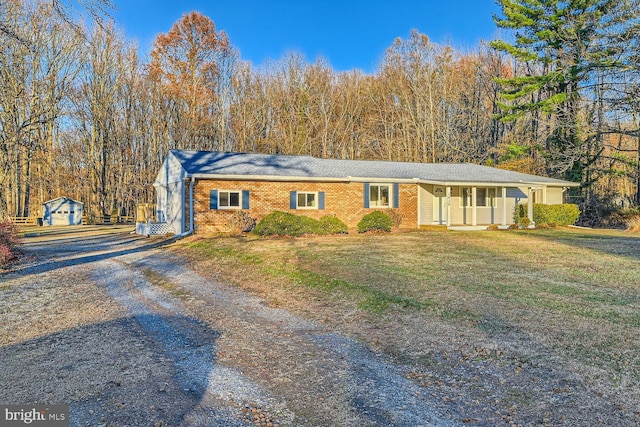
x=82 y=115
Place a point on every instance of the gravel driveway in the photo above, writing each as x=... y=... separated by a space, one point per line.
x=127 y=334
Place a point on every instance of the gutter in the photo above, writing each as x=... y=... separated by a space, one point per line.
x=278 y=178
x=347 y=179
x=191 y=227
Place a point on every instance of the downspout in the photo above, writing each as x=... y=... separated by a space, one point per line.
x=190 y=230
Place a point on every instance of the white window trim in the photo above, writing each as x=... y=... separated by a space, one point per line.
x=230 y=207
x=495 y=197
x=461 y=197
x=298 y=193
x=389 y=204
x=473 y=202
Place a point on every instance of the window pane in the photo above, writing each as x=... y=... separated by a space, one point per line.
x=466 y=196
x=481 y=197
x=311 y=200
x=224 y=199
x=374 y=195
x=302 y=200
x=384 y=195
x=234 y=199
x=492 y=196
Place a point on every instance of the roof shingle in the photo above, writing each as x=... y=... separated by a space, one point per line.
x=276 y=165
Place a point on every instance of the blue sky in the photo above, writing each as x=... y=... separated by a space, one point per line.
x=349 y=34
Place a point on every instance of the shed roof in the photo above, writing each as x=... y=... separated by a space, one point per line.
x=208 y=163
x=62 y=199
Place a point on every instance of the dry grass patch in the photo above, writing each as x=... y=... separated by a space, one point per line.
x=633 y=224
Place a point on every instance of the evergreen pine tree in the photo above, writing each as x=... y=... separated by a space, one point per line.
x=574 y=44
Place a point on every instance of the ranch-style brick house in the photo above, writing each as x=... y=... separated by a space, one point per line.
x=199 y=191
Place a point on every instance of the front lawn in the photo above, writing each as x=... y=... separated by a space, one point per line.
x=545 y=322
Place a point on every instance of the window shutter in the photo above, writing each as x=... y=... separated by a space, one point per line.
x=396 y=195
x=293 y=202
x=366 y=195
x=213 y=199
x=245 y=199
x=321 y=200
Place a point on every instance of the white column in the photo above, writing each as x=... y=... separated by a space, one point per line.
x=448 y=206
x=474 y=208
x=530 y=206
x=504 y=205
x=419 y=205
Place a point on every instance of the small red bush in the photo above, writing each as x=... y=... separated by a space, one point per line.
x=9 y=243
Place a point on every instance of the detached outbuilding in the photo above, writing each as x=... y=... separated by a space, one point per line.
x=62 y=211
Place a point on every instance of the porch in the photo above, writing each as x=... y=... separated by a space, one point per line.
x=475 y=207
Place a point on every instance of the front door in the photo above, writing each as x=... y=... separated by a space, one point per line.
x=440 y=205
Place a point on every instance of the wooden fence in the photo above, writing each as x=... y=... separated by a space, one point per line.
x=24 y=220
x=107 y=219
x=120 y=219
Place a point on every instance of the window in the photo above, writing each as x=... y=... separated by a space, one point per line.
x=228 y=200
x=307 y=200
x=486 y=197
x=225 y=199
x=465 y=197
x=379 y=195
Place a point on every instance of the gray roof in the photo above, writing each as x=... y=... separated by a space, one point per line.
x=202 y=163
x=62 y=199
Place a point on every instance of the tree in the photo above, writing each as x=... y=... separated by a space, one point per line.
x=38 y=62
x=572 y=46
x=96 y=9
x=193 y=65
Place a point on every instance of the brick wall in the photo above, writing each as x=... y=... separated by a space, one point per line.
x=343 y=200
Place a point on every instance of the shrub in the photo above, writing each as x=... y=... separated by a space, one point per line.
x=376 y=220
x=9 y=243
x=564 y=214
x=524 y=221
x=493 y=227
x=287 y=224
x=242 y=222
x=331 y=225
x=633 y=223
x=552 y=215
